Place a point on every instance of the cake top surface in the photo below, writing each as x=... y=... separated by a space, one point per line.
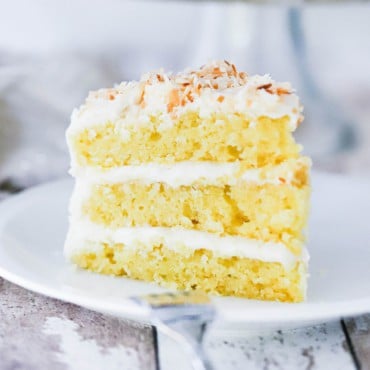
x=216 y=76
x=214 y=87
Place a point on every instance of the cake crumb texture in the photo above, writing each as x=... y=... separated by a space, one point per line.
x=218 y=138
x=198 y=270
x=266 y=212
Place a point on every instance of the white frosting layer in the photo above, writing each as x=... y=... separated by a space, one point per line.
x=214 y=88
x=181 y=173
x=86 y=236
x=187 y=172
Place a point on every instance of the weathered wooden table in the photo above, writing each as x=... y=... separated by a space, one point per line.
x=41 y=333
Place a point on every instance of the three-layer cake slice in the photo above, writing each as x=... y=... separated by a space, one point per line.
x=193 y=181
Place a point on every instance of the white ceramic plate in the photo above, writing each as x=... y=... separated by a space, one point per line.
x=33 y=225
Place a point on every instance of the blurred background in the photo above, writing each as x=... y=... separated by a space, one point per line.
x=53 y=52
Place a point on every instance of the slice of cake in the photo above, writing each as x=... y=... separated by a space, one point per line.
x=192 y=181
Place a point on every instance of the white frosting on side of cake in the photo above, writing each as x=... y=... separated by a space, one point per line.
x=188 y=172
x=215 y=88
x=85 y=237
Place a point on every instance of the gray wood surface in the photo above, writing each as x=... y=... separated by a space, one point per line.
x=317 y=347
x=358 y=334
x=37 y=332
x=41 y=333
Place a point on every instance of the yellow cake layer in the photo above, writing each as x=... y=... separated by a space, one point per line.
x=199 y=270
x=267 y=212
x=220 y=138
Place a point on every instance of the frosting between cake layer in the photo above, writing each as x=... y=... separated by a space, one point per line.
x=188 y=172
x=214 y=88
x=87 y=237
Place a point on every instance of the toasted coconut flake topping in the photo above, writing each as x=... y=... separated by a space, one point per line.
x=278 y=90
x=214 y=86
x=218 y=76
x=141 y=100
x=174 y=100
x=282 y=91
x=265 y=86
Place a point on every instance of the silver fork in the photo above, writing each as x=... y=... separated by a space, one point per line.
x=183 y=317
